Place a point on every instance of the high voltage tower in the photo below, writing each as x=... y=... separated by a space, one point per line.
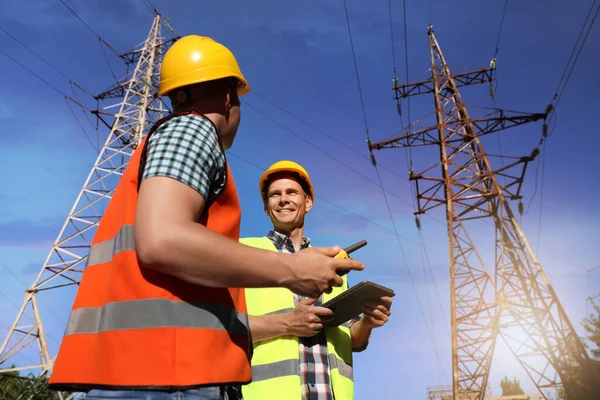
x=518 y=302
x=138 y=109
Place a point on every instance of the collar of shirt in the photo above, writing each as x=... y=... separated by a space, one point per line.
x=282 y=241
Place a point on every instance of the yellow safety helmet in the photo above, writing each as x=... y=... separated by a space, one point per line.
x=194 y=59
x=285 y=166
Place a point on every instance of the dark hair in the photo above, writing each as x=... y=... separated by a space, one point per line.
x=209 y=90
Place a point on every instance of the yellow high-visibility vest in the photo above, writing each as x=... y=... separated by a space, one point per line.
x=276 y=362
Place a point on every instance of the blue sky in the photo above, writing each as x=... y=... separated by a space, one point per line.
x=297 y=56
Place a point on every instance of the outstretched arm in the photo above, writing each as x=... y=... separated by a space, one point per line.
x=181 y=168
x=375 y=314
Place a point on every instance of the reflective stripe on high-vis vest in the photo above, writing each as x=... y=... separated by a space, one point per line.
x=153 y=313
x=275 y=362
x=133 y=327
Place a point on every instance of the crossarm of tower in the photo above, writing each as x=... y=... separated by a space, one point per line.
x=423 y=87
x=494 y=122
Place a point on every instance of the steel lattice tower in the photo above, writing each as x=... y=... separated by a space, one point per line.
x=138 y=109
x=518 y=296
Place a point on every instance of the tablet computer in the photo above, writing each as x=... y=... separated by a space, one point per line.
x=347 y=305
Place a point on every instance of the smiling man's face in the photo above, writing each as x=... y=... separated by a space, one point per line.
x=287 y=204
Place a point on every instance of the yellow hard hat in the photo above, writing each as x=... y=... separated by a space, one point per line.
x=194 y=59
x=285 y=166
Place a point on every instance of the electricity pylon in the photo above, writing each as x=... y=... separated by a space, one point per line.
x=139 y=108
x=519 y=297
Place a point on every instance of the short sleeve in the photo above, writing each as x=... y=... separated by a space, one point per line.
x=186 y=148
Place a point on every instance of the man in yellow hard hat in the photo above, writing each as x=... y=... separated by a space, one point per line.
x=160 y=312
x=294 y=357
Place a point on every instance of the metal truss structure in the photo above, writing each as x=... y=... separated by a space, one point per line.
x=515 y=301
x=134 y=114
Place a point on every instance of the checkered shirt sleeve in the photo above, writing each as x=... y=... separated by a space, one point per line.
x=186 y=148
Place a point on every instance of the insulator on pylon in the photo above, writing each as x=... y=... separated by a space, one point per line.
x=545 y=130
x=492 y=92
x=521 y=207
x=411 y=172
x=418 y=222
x=373 y=161
x=399 y=108
x=535 y=153
x=369 y=143
x=493 y=63
x=395 y=80
x=549 y=109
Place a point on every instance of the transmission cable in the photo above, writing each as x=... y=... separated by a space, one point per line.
x=500 y=29
x=407 y=151
x=35 y=54
x=90 y=28
x=262 y=169
x=330 y=136
x=559 y=90
x=381 y=183
x=328 y=154
x=50 y=85
x=407 y=76
x=408 y=156
x=551 y=109
x=410 y=161
x=33 y=73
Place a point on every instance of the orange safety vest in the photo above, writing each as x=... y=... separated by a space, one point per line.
x=136 y=328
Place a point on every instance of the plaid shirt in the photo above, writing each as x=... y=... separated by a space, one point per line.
x=314 y=366
x=186 y=148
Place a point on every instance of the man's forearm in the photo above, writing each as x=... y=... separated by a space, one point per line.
x=194 y=253
x=265 y=327
x=360 y=332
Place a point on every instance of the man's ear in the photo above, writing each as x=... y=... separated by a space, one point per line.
x=309 y=203
x=227 y=102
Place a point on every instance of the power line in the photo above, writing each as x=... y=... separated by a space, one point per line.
x=322 y=151
x=407 y=74
x=35 y=54
x=288 y=112
x=47 y=83
x=407 y=152
x=89 y=27
x=392 y=37
x=381 y=184
x=258 y=167
x=551 y=110
x=362 y=102
x=500 y=30
x=149 y=6
x=33 y=73
x=559 y=91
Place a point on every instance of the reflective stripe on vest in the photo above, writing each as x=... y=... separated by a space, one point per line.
x=344 y=369
x=275 y=364
x=290 y=367
x=104 y=251
x=156 y=313
x=275 y=370
x=133 y=327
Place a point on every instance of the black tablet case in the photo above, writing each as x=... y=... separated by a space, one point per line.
x=347 y=305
